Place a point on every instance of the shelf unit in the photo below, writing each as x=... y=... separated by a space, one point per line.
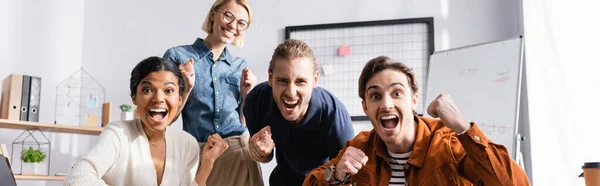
x=25 y=125
x=39 y=177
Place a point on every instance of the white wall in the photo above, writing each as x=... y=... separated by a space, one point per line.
x=562 y=74
x=109 y=37
x=9 y=19
x=119 y=34
x=44 y=38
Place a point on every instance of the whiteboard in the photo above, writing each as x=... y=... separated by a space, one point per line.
x=484 y=81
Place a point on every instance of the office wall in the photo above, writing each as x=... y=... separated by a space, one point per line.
x=562 y=77
x=109 y=37
x=44 y=38
x=8 y=34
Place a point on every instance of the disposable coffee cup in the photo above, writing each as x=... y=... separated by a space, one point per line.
x=591 y=173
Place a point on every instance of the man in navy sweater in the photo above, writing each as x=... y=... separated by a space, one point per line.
x=305 y=123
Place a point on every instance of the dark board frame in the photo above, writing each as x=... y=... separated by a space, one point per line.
x=426 y=20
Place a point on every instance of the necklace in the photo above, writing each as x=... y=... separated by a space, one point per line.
x=155 y=143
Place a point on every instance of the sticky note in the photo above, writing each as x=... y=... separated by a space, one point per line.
x=344 y=50
x=91 y=102
x=91 y=121
x=327 y=69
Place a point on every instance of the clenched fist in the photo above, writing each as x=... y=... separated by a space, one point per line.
x=263 y=143
x=444 y=108
x=189 y=76
x=215 y=146
x=350 y=163
x=247 y=82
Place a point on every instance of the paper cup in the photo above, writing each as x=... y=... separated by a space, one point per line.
x=591 y=173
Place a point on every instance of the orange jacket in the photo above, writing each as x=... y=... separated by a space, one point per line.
x=439 y=157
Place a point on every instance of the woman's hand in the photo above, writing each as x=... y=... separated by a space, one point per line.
x=247 y=82
x=215 y=146
x=189 y=76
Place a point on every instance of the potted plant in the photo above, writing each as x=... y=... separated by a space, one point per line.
x=31 y=159
x=126 y=113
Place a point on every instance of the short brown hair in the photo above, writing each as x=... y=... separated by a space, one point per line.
x=208 y=24
x=379 y=64
x=292 y=49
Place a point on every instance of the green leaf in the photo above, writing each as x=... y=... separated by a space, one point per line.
x=32 y=156
x=125 y=107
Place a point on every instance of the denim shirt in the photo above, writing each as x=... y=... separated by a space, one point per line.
x=213 y=104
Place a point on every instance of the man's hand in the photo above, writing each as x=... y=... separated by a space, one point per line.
x=215 y=146
x=350 y=163
x=263 y=144
x=189 y=76
x=444 y=108
x=247 y=82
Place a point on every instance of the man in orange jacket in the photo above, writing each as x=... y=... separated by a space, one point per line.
x=405 y=149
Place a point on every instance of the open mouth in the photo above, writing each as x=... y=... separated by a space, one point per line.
x=290 y=105
x=389 y=121
x=158 y=114
x=228 y=33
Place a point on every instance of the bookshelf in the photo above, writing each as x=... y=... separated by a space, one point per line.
x=39 y=177
x=24 y=125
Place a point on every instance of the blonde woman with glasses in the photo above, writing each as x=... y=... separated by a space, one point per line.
x=220 y=84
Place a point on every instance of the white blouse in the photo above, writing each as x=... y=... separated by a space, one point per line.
x=122 y=157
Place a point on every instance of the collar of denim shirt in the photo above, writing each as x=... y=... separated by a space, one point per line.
x=203 y=51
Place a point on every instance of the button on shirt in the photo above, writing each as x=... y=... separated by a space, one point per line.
x=302 y=146
x=213 y=104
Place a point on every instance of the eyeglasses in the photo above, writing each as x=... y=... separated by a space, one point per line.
x=228 y=17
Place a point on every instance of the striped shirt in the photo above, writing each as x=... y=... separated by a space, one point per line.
x=397 y=162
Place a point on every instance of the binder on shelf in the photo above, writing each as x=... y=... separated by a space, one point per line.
x=11 y=97
x=34 y=99
x=25 y=98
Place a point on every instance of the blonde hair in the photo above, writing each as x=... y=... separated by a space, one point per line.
x=293 y=49
x=208 y=24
